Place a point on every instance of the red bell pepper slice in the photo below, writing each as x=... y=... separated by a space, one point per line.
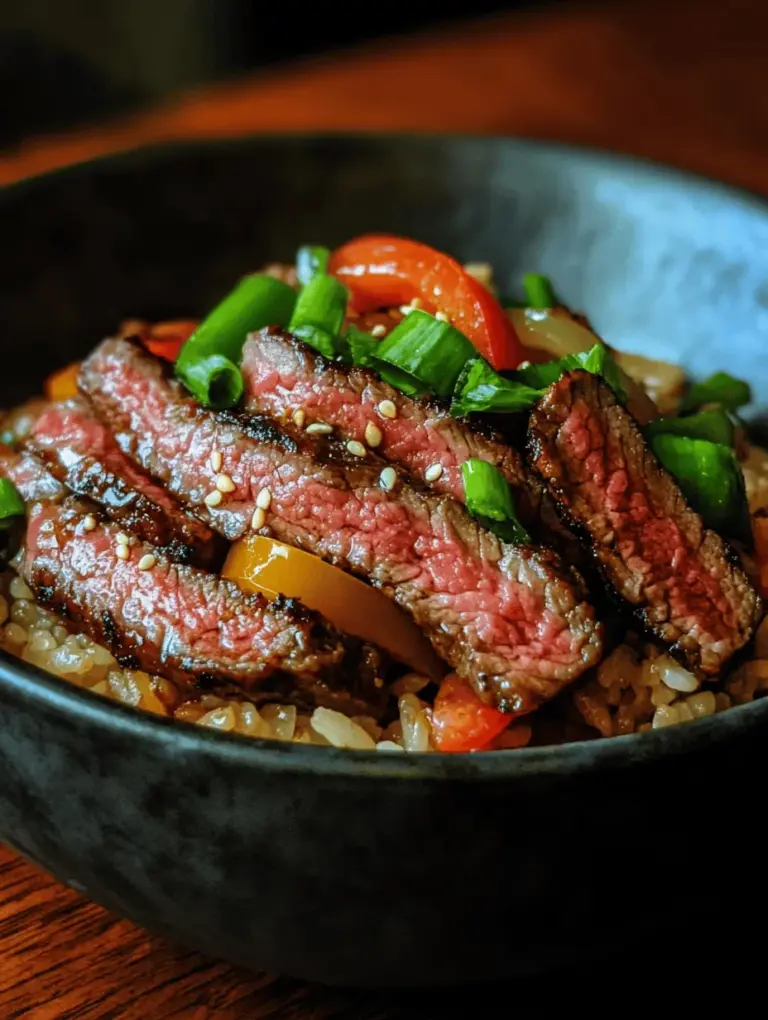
x=383 y=271
x=460 y=721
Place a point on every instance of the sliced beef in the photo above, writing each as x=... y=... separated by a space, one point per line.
x=30 y=476
x=510 y=619
x=82 y=453
x=680 y=578
x=283 y=375
x=178 y=621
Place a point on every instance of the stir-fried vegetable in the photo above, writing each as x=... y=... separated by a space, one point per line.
x=460 y=721
x=310 y=262
x=11 y=503
x=319 y=314
x=261 y=564
x=539 y=292
x=488 y=498
x=721 y=388
x=479 y=389
x=554 y=330
x=422 y=355
x=383 y=271
x=711 y=479
x=597 y=361
x=208 y=361
x=12 y=511
x=715 y=425
x=165 y=339
x=62 y=385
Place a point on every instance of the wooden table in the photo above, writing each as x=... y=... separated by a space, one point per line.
x=672 y=80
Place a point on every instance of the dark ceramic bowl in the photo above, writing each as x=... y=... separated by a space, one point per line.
x=351 y=867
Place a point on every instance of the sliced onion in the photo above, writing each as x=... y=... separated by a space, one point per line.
x=558 y=332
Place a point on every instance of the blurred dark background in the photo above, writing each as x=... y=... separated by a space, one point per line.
x=67 y=62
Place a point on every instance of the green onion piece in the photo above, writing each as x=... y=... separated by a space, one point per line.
x=597 y=361
x=721 y=388
x=208 y=362
x=322 y=342
x=480 y=388
x=539 y=292
x=361 y=346
x=321 y=303
x=422 y=354
x=716 y=426
x=310 y=262
x=11 y=503
x=711 y=479
x=488 y=498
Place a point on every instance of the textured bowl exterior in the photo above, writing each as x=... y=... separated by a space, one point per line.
x=345 y=867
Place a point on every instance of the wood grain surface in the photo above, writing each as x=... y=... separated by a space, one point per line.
x=675 y=80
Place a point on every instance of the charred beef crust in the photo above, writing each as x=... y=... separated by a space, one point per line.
x=183 y=623
x=511 y=619
x=681 y=579
x=78 y=450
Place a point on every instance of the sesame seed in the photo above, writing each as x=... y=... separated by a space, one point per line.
x=319 y=428
x=387 y=409
x=388 y=479
x=122 y=538
x=441 y=316
x=356 y=449
x=379 y=329
x=405 y=309
x=213 y=498
x=263 y=499
x=258 y=519
x=147 y=562
x=524 y=364
x=373 y=435
x=122 y=551
x=225 y=484
x=415 y=303
x=89 y=522
x=299 y=417
x=433 y=472
x=216 y=460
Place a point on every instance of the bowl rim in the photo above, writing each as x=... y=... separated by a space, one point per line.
x=38 y=689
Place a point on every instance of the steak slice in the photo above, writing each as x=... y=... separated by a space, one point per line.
x=175 y=620
x=82 y=453
x=654 y=550
x=283 y=374
x=509 y=618
x=31 y=478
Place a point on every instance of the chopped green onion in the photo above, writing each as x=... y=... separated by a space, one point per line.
x=319 y=312
x=716 y=426
x=311 y=261
x=597 y=361
x=361 y=346
x=322 y=342
x=711 y=480
x=539 y=292
x=11 y=503
x=721 y=388
x=422 y=354
x=208 y=362
x=480 y=388
x=488 y=498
